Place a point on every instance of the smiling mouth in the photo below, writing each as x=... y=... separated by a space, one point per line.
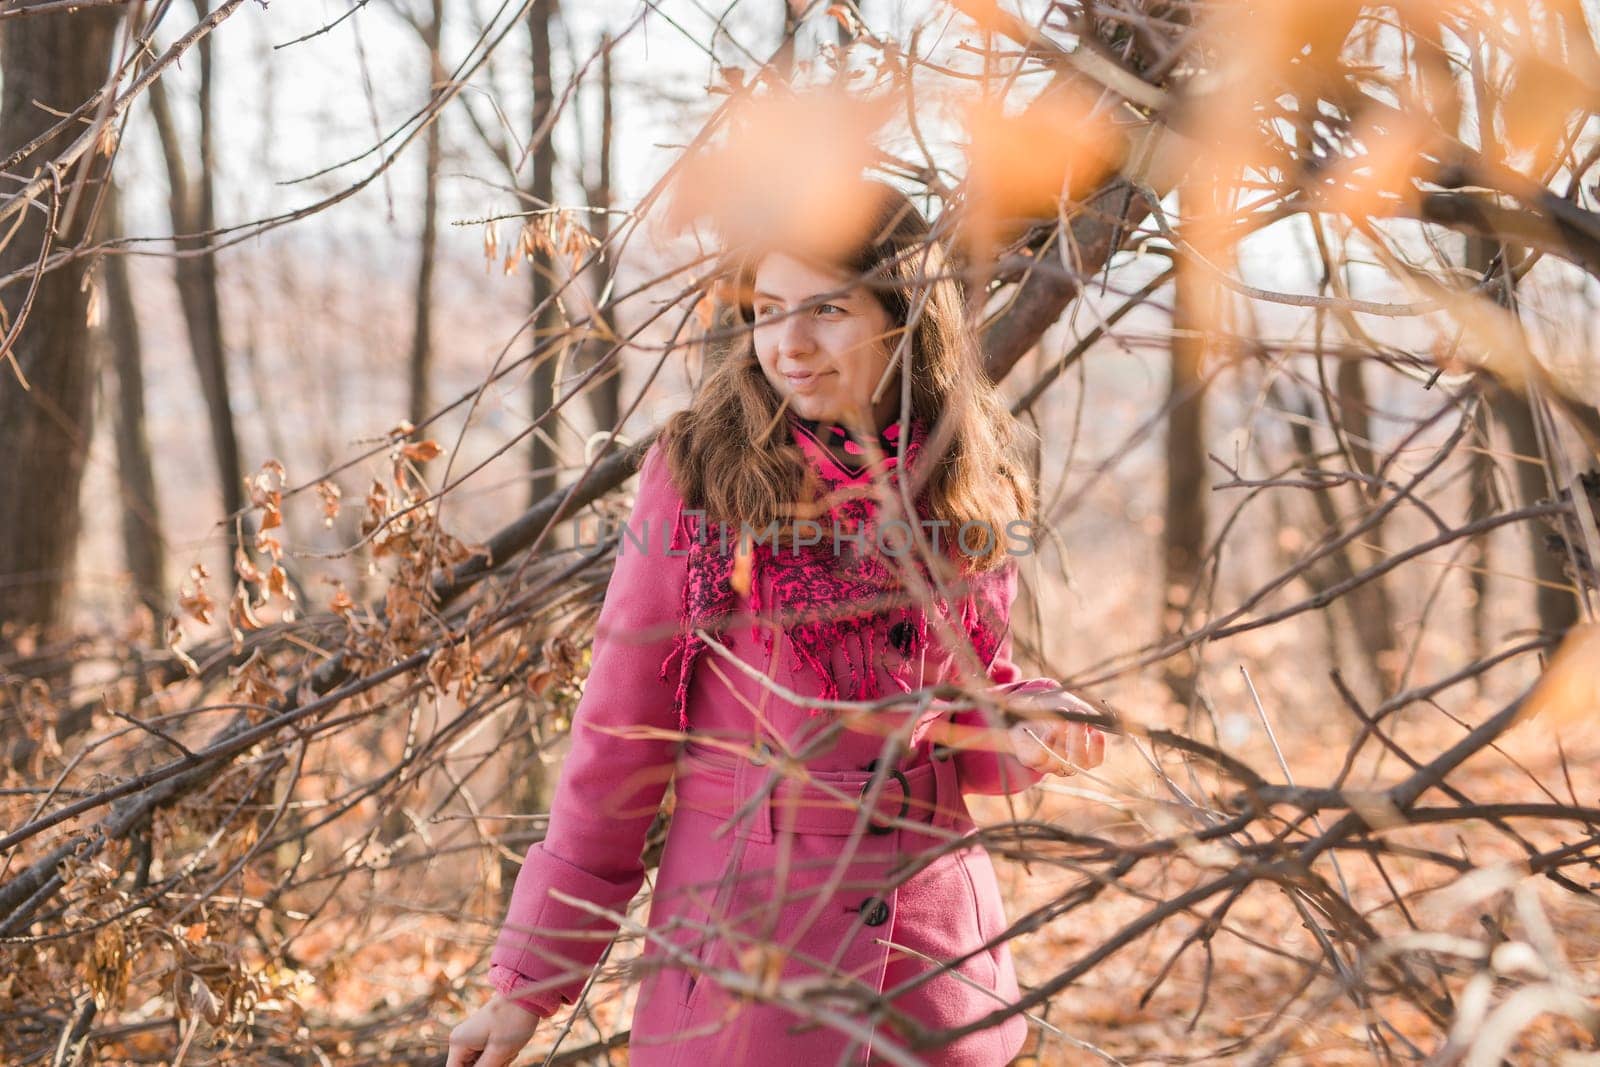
x=803 y=382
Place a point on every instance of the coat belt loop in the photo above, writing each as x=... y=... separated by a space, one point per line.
x=946 y=793
x=748 y=778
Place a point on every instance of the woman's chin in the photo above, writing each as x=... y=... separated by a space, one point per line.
x=809 y=408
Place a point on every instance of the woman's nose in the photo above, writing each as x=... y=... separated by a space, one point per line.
x=795 y=336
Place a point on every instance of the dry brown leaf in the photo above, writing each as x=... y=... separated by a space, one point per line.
x=846 y=18
x=270 y=545
x=278 y=583
x=540 y=682
x=255 y=682
x=531 y=240
x=341 y=603
x=266 y=484
x=241 y=612
x=175 y=646
x=377 y=508
x=106 y=139
x=732 y=81
x=422 y=451
x=1569 y=689
x=331 y=495
x=192 y=595
x=245 y=567
x=109 y=965
x=491 y=243
x=198 y=1000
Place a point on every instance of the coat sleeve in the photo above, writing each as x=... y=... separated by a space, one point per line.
x=987 y=615
x=623 y=749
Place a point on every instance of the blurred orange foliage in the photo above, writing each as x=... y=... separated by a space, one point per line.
x=785 y=173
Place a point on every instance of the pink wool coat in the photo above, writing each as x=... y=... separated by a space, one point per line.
x=776 y=883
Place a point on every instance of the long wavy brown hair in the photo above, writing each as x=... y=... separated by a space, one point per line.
x=731 y=454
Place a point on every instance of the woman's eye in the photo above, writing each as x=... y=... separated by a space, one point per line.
x=830 y=308
x=766 y=311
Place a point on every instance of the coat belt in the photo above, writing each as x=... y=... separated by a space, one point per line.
x=767 y=798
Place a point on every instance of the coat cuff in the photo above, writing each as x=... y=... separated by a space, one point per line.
x=988 y=772
x=511 y=985
x=553 y=943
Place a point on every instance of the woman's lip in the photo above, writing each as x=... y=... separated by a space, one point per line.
x=800 y=381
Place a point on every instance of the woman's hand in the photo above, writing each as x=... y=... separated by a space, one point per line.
x=1057 y=746
x=491 y=1036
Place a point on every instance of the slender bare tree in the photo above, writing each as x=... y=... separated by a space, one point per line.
x=51 y=64
x=544 y=453
x=191 y=202
x=421 y=362
x=605 y=395
x=1183 y=531
x=143 y=548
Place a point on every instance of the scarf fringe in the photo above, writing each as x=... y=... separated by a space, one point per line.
x=686 y=647
x=708 y=598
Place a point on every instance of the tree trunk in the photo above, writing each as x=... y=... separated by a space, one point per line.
x=543 y=455
x=783 y=60
x=529 y=782
x=1370 y=606
x=1341 y=565
x=142 y=546
x=422 y=324
x=1484 y=501
x=1557 y=606
x=1184 y=531
x=52 y=63
x=193 y=217
x=605 y=395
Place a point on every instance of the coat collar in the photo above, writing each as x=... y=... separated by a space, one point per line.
x=834 y=443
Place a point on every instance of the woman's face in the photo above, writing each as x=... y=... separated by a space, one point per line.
x=821 y=342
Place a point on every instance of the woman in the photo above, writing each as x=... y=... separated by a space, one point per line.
x=816 y=889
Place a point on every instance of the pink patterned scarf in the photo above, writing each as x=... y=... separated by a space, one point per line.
x=825 y=600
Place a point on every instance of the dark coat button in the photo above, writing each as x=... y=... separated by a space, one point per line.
x=903 y=636
x=873 y=826
x=874 y=912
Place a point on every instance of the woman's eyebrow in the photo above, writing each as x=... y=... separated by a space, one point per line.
x=831 y=296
